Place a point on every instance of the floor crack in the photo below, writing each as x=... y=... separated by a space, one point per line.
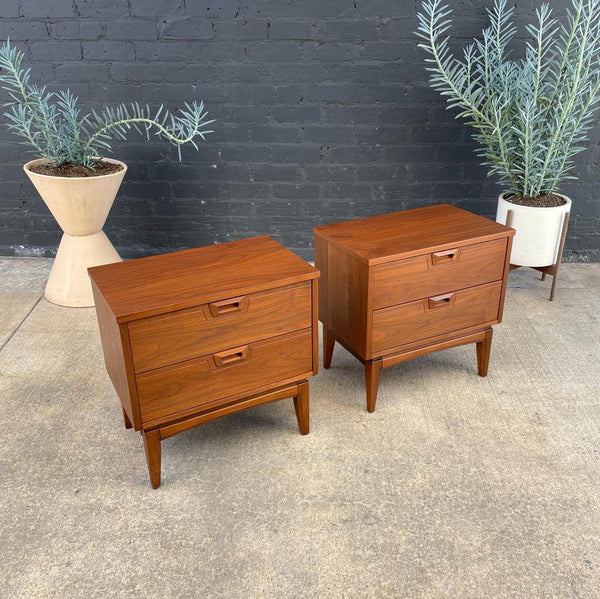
x=21 y=323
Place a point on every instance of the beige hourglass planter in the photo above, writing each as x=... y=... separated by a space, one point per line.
x=80 y=205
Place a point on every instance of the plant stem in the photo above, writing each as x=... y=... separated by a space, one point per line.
x=571 y=98
x=172 y=138
x=465 y=102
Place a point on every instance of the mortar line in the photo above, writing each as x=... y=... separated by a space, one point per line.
x=21 y=323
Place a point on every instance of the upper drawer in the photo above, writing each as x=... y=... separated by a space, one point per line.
x=438 y=272
x=196 y=383
x=436 y=315
x=170 y=338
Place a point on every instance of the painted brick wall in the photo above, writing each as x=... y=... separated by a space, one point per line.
x=323 y=111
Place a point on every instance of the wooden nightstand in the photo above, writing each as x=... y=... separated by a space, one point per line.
x=195 y=335
x=401 y=285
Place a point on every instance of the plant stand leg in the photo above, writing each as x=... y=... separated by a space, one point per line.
x=328 y=345
x=126 y=419
x=301 y=408
x=372 y=371
x=484 y=349
x=152 y=448
x=553 y=288
x=561 y=247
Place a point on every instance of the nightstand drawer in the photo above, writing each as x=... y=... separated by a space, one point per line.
x=434 y=273
x=436 y=315
x=163 y=340
x=225 y=373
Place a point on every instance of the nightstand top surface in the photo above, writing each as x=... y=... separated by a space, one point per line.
x=408 y=233
x=177 y=280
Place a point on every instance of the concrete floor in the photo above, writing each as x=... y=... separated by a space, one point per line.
x=456 y=486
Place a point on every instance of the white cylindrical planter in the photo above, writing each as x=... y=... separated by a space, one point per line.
x=80 y=205
x=538 y=231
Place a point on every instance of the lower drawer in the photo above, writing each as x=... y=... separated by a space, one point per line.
x=197 y=382
x=436 y=315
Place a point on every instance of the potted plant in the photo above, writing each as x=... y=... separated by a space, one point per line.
x=75 y=180
x=530 y=116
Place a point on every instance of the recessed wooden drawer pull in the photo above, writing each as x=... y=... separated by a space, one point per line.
x=445 y=257
x=231 y=356
x=441 y=300
x=235 y=304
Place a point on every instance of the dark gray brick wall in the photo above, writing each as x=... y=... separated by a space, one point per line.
x=323 y=108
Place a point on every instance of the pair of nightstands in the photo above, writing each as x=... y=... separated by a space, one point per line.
x=195 y=335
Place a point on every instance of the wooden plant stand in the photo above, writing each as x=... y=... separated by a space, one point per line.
x=553 y=269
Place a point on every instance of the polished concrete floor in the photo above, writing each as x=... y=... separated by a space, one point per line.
x=456 y=486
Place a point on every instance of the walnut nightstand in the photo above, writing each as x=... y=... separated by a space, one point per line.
x=195 y=335
x=401 y=285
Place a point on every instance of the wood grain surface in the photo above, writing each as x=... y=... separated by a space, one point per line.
x=420 y=320
x=409 y=233
x=193 y=383
x=414 y=278
x=168 y=282
x=186 y=334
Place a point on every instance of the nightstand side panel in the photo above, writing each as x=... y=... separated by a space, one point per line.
x=321 y=264
x=348 y=300
x=315 y=325
x=117 y=357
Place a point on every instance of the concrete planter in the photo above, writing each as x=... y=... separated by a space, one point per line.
x=80 y=205
x=537 y=240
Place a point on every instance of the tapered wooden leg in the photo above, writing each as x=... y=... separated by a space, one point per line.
x=152 y=447
x=554 y=282
x=328 y=345
x=544 y=276
x=561 y=247
x=301 y=408
x=372 y=370
x=126 y=419
x=484 y=349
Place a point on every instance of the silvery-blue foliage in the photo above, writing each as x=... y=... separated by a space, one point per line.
x=52 y=123
x=531 y=116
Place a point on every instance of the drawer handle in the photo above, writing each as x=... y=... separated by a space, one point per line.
x=439 y=301
x=229 y=306
x=231 y=356
x=445 y=257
